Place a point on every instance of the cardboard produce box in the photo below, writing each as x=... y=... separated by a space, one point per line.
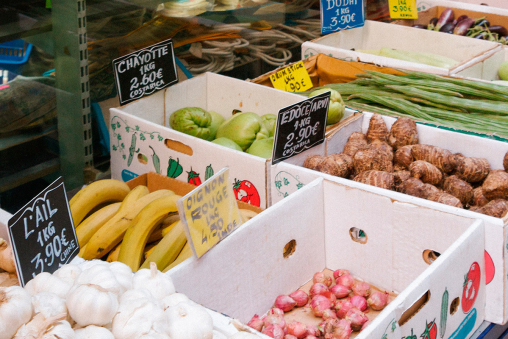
x=289 y=175
x=489 y=67
x=376 y=35
x=314 y=229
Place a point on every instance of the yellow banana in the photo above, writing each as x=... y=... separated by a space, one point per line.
x=109 y=235
x=162 y=229
x=81 y=251
x=149 y=249
x=94 y=222
x=168 y=248
x=113 y=255
x=185 y=254
x=142 y=226
x=247 y=214
x=95 y=194
x=166 y=229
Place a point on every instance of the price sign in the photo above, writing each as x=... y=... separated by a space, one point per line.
x=338 y=15
x=300 y=127
x=146 y=71
x=294 y=78
x=209 y=212
x=403 y=9
x=42 y=233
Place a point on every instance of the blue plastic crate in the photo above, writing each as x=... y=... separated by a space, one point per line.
x=13 y=54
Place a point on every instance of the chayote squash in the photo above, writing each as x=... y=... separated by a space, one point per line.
x=243 y=129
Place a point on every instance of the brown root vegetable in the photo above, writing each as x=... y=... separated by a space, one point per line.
x=382 y=146
x=355 y=142
x=457 y=159
x=401 y=176
x=430 y=189
x=495 y=185
x=6 y=257
x=329 y=166
x=445 y=198
x=372 y=159
x=478 y=198
x=426 y=172
x=403 y=133
x=403 y=156
x=339 y=165
x=505 y=162
x=377 y=129
x=477 y=209
x=458 y=188
x=376 y=178
x=343 y=160
x=473 y=169
x=495 y=208
x=8 y=279
x=417 y=188
x=313 y=161
x=437 y=156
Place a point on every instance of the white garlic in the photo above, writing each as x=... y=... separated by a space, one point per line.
x=102 y=276
x=154 y=335
x=86 y=264
x=46 y=282
x=15 y=310
x=218 y=335
x=186 y=321
x=77 y=261
x=123 y=274
x=48 y=304
x=68 y=273
x=174 y=299
x=36 y=327
x=90 y=304
x=94 y=332
x=61 y=330
x=158 y=283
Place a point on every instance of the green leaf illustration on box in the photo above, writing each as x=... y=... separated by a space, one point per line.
x=286 y=183
x=174 y=168
x=392 y=323
x=156 y=161
x=444 y=313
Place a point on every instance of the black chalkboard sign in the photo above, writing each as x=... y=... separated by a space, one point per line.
x=300 y=127
x=146 y=71
x=42 y=233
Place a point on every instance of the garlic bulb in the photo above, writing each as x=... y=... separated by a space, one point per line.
x=94 y=332
x=77 y=261
x=15 y=310
x=48 y=304
x=186 y=321
x=174 y=299
x=90 y=304
x=243 y=335
x=46 y=282
x=36 y=327
x=139 y=313
x=86 y=264
x=102 y=276
x=154 y=335
x=61 y=330
x=158 y=283
x=218 y=335
x=68 y=273
x=123 y=274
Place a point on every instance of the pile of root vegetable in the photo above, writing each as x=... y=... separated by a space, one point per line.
x=342 y=306
x=393 y=159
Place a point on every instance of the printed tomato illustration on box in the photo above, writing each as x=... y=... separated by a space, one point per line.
x=246 y=191
x=470 y=287
x=430 y=330
x=193 y=178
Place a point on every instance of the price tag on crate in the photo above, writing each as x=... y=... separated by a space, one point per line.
x=403 y=9
x=146 y=71
x=339 y=15
x=209 y=212
x=300 y=127
x=294 y=78
x=42 y=233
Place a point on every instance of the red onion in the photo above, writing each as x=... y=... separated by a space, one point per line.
x=357 y=318
x=378 y=300
x=274 y=319
x=290 y=336
x=316 y=289
x=327 y=326
x=346 y=280
x=330 y=296
x=313 y=330
x=275 y=310
x=361 y=288
x=300 y=297
x=285 y=303
x=318 y=304
x=342 y=330
x=329 y=314
x=297 y=329
x=342 y=306
x=359 y=302
x=320 y=277
x=256 y=323
x=340 y=291
x=338 y=273
x=274 y=331
x=365 y=324
x=311 y=337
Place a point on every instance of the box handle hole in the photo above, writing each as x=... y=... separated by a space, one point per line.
x=142 y=158
x=358 y=235
x=429 y=256
x=178 y=146
x=454 y=305
x=415 y=308
x=289 y=249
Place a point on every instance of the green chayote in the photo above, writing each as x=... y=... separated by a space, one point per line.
x=243 y=129
x=227 y=143
x=217 y=120
x=194 y=121
x=270 y=120
x=336 y=107
x=262 y=148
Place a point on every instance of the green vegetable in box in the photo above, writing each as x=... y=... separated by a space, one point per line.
x=270 y=121
x=262 y=148
x=194 y=121
x=217 y=120
x=243 y=129
x=227 y=143
x=336 y=107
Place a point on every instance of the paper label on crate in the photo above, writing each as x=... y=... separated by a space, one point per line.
x=209 y=212
x=339 y=15
x=294 y=78
x=42 y=233
x=300 y=126
x=145 y=72
x=403 y=9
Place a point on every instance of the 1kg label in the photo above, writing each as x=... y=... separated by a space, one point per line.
x=293 y=78
x=403 y=9
x=339 y=15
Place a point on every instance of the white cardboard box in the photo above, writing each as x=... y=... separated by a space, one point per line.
x=376 y=35
x=488 y=67
x=244 y=274
x=289 y=176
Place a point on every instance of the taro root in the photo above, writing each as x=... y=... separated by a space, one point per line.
x=403 y=156
x=416 y=188
x=313 y=161
x=505 y=162
x=330 y=166
x=372 y=159
x=376 y=178
x=495 y=185
x=457 y=158
x=426 y=172
x=355 y=142
x=458 y=188
x=345 y=163
x=495 y=208
x=478 y=198
x=401 y=176
x=382 y=146
x=473 y=169
x=445 y=198
x=403 y=133
x=377 y=129
x=437 y=156
x=477 y=209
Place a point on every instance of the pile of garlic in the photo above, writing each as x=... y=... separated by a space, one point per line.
x=101 y=300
